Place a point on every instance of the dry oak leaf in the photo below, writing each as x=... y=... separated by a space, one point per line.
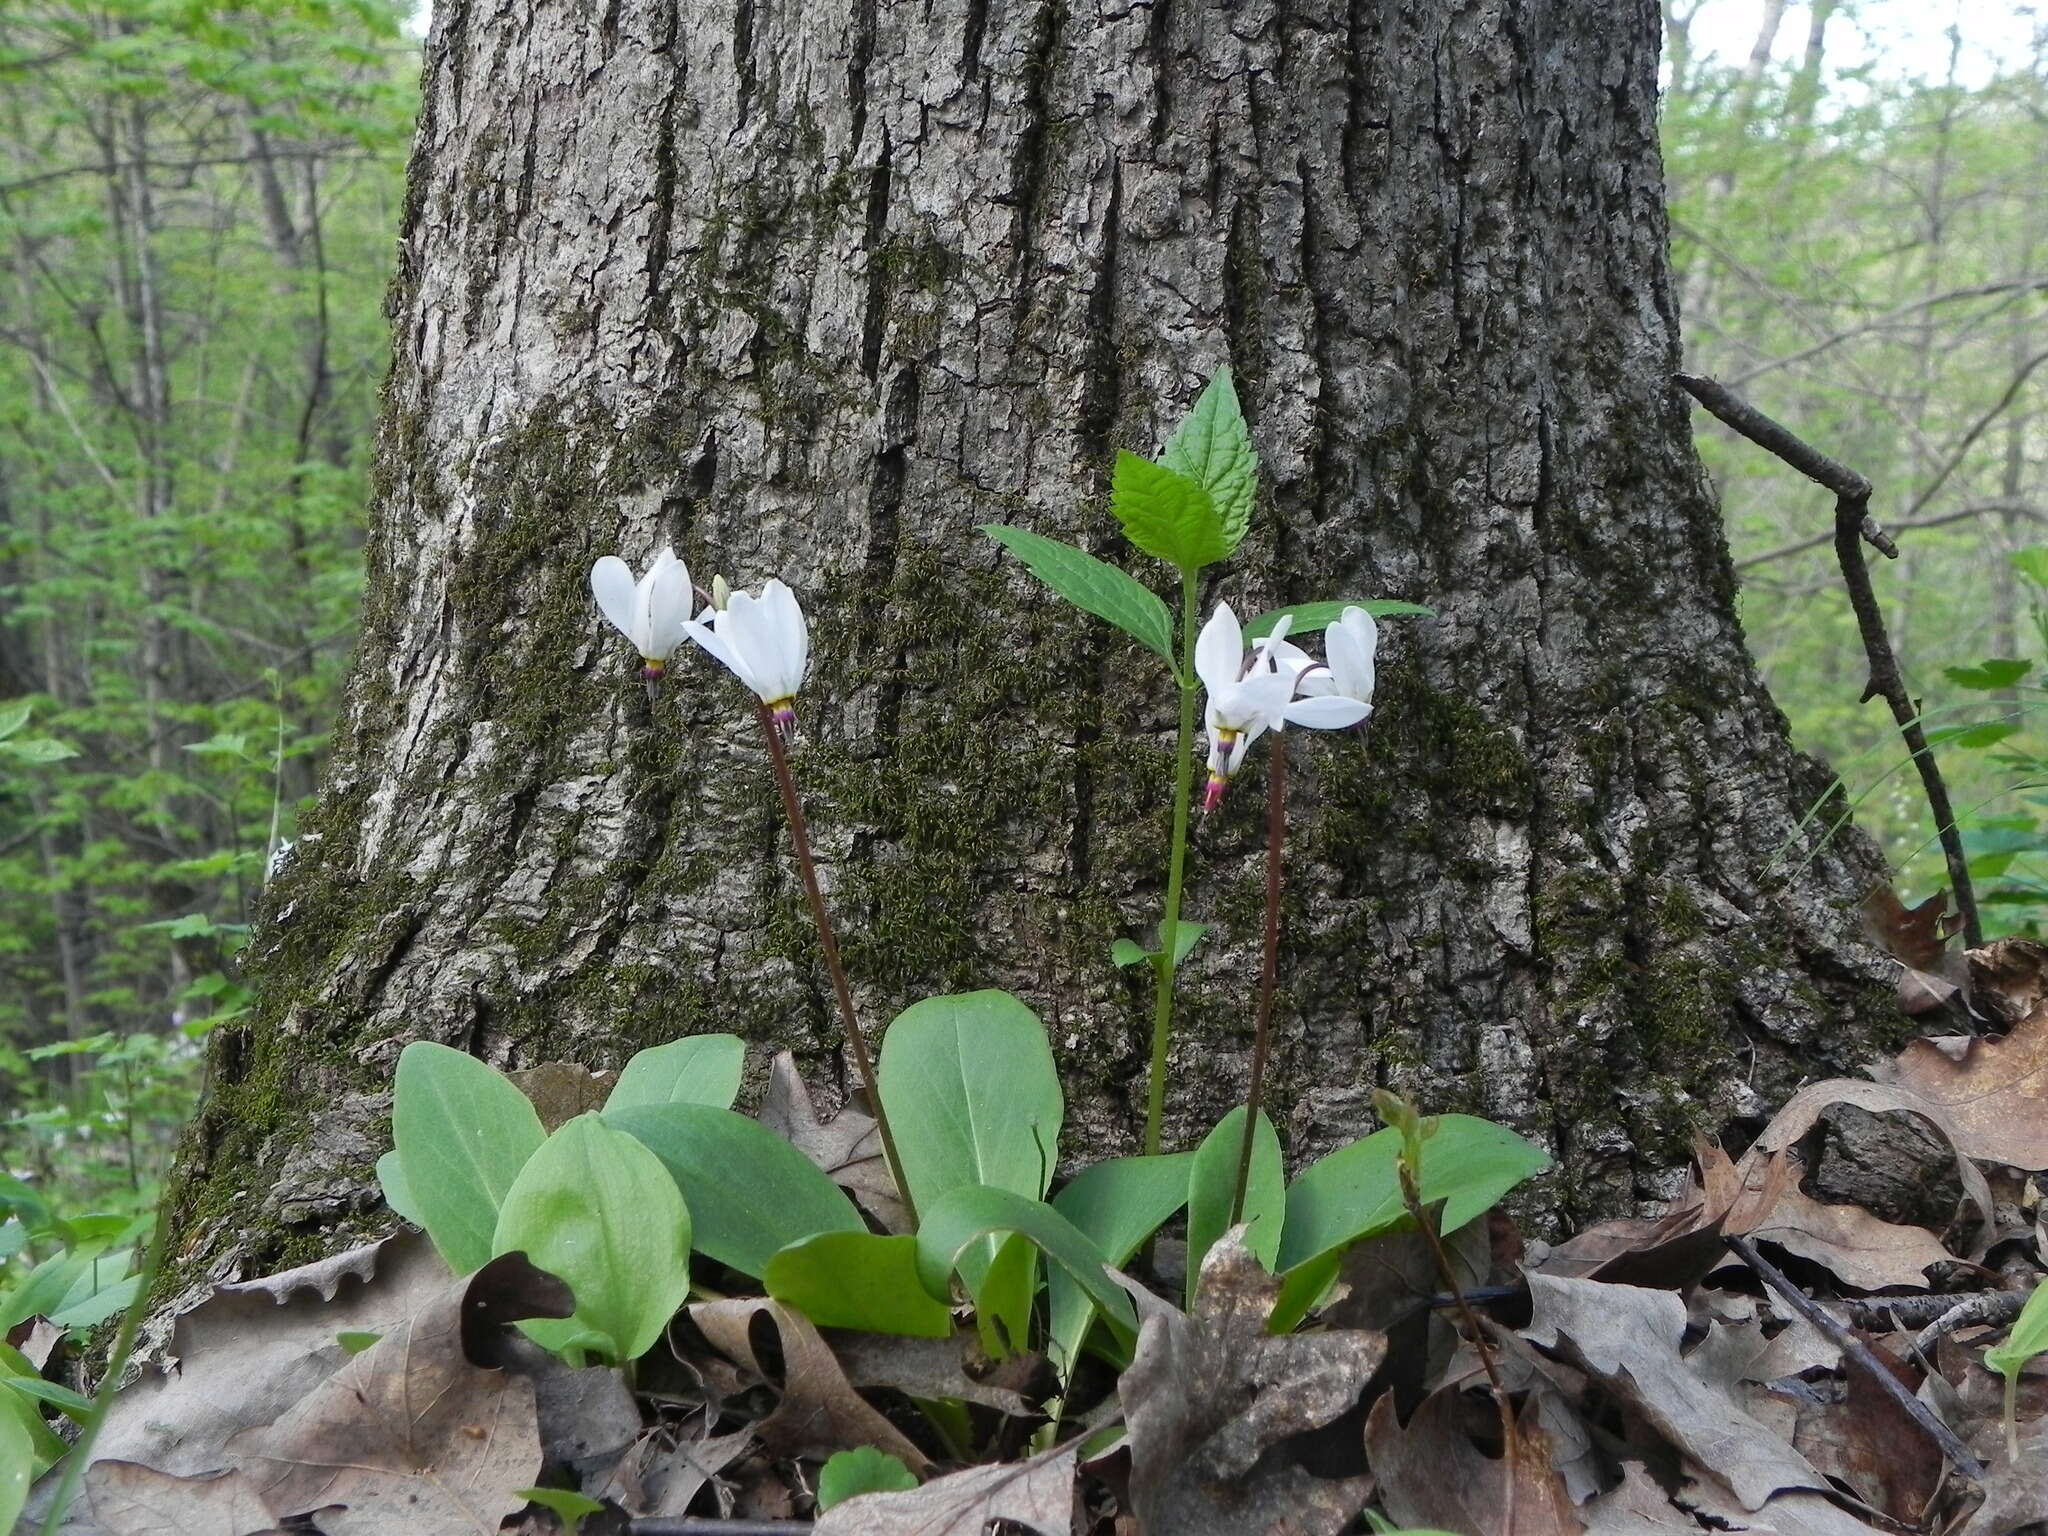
x=1799 y=1113
x=562 y=1090
x=1996 y=1096
x=1211 y=1398
x=1638 y=1507
x=1020 y=1497
x=1722 y=1198
x=820 y=1412
x=1856 y=1247
x=1789 y=1514
x=1430 y=1473
x=1628 y=1339
x=848 y=1147
x=125 y=1498
x=410 y=1434
x=1870 y=1443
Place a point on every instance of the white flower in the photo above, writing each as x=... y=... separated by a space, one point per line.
x=1249 y=697
x=765 y=642
x=651 y=612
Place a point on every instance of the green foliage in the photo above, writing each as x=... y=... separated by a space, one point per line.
x=568 y=1506
x=1213 y=448
x=1167 y=514
x=1308 y=618
x=462 y=1135
x=1212 y=1181
x=2028 y=1339
x=596 y=1209
x=1186 y=936
x=861 y=1470
x=857 y=1280
x=749 y=1191
x=1091 y=585
x=697 y=1069
x=1117 y=1205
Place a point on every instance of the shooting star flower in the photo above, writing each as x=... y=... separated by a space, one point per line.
x=765 y=643
x=650 y=612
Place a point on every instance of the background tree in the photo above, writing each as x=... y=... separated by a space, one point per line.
x=814 y=292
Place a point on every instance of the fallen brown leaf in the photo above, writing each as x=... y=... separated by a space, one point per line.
x=1722 y=1198
x=1638 y=1507
x=562 y=1090
x=820 y=1412
x=1996 y=1095
x=662 y=1473
x=1918 y=936
x=1027 y=1498
x=1628 y=1339
x=929 y=1368
x=411 y=1435
x=848 y=1146
x=1853 y=1245
x=1789 y=1514
x=2016 y=1493
x=1869 y=1443
x=1212 y=1399
x=1432 y=1473
x=124 y=1498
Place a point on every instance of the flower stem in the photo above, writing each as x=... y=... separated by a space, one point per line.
x=1269 y=968
x=1169 y=926
x=799 y=836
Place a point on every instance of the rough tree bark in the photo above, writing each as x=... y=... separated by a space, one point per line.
x=814 y=290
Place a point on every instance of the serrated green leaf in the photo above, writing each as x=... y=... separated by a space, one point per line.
x=1166 y=514
x=1092 y=585
x=1213 y=448
x=1310 y=617
x=1996 y=673
x=864 y=1469
x=38 y=749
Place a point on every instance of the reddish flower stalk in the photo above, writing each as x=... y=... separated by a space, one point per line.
x=799 y=836
x=1269 y=969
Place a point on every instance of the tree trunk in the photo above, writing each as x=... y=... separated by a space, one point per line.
x=813 y=291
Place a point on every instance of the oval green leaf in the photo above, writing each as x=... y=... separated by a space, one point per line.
x=697 y=1069
x=857 y=1280
x=973 y=1098
x=596 y=1209
x=749 y=1192
x=861 y=1470
x=462 y=1133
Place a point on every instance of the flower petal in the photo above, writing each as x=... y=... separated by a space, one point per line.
x=792 y=636
x=749 y=630
x=611 y=583
x=715 y=645
x=1353 y=641
x=668 y=604
x=1327 y=713
x=1219 y=649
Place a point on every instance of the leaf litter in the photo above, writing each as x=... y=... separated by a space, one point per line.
x=1650 y=1380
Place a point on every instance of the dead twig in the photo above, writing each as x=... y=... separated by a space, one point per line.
x=1995 y=1307
x=1859 y=1354
x=1883 y=1314
x=1854 y=527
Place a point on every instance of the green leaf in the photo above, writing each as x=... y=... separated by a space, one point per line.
x=1125 y=952
x=971 y=1212
x=1117 y=1205
x=356 y=1340
x=18 y=1466
x=71 y=1404
x=14 y=715
x=596 y=1209
x=1092 y=585
x=749 y=1192
x=391 y=1179
x=39 y=749
x=1973 y=738
x=2031 y=562
x=857 y=1280
x=2029 y=1337
x=1310 y=617
x=23 y=1411
x=864 y=1469
x=463 y=1132
x=973 y=1098
x=43 y=1289
x=1213 y=448
x=1213 y=1180
x=1166 y=514
x=697 y=1069
x=1355 y=1192
x=96 y=1302
x=568 y=1506
x=1996 y=673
